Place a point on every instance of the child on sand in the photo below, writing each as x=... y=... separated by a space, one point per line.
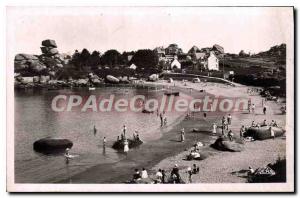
x=242 y=131
x=230 y=135
x=229 y=118
x=214 y=128
x=264 y=110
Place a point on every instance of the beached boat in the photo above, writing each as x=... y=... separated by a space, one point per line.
x=92 y=88
x=172 y=93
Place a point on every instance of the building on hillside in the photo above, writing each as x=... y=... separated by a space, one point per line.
x=173 y=49
x=160 y=51
x=218 y=49
x=193 y=50
x=129 y=57
x=212 y=62
x=132 y=66
x=175 y=64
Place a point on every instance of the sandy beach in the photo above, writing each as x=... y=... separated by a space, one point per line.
x=225 y=167
x=219 y=167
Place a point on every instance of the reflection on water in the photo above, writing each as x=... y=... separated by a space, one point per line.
x=34 y=119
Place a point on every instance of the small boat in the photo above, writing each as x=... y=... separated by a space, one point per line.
x=92 y=88
x=172 y=93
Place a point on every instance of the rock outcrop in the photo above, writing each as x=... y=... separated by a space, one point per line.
x=224 y=144
x=262 y=133
x=41 y=67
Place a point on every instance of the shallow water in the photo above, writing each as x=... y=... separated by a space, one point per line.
x=34 y=119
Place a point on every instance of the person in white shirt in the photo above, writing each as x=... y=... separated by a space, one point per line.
x=144 y=174
x=214 y=131
x=159 y=176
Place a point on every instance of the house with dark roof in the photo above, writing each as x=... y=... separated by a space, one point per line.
x=173 y=49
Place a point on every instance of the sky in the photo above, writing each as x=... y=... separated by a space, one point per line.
x=130 y=28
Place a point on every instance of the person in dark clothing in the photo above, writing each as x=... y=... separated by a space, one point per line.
x=175 y=172
x=161 y=120
x=195 y=169
x=136 y=175
x=265 y=110
x=164 y=176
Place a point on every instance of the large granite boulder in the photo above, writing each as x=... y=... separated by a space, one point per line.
x=52 y=145
x=264 y=132
x=36 y=66
x=20 y=57
x=112 y=79
x=53 y=51
x=224 y=144
x=49 y=43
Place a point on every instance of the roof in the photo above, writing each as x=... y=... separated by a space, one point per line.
x=132 y=66
x=218 y=48
x=200 y=55
x=194 y=49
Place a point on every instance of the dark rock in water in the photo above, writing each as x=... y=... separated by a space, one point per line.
x=262 y=133
x=224 y=144
x=52 y=145
x=119 y=145
x=49 y=43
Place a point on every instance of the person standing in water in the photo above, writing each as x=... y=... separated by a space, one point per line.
x=67 y=155
x=124 y=131
x=182 y=135
x=104 y=141
x=126 y=147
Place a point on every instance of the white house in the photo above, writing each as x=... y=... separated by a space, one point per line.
x=212 y=62
x=175 y=64
x=132 y=66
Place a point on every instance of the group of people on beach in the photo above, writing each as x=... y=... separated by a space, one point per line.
x=264 y=123
x=225 y=123
x=136 y=137
x=160 y=176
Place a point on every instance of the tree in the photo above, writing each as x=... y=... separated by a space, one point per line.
x=147 y=59
x=80 y=60
x=111 y=57
x=243 y=54
x=94 y=60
